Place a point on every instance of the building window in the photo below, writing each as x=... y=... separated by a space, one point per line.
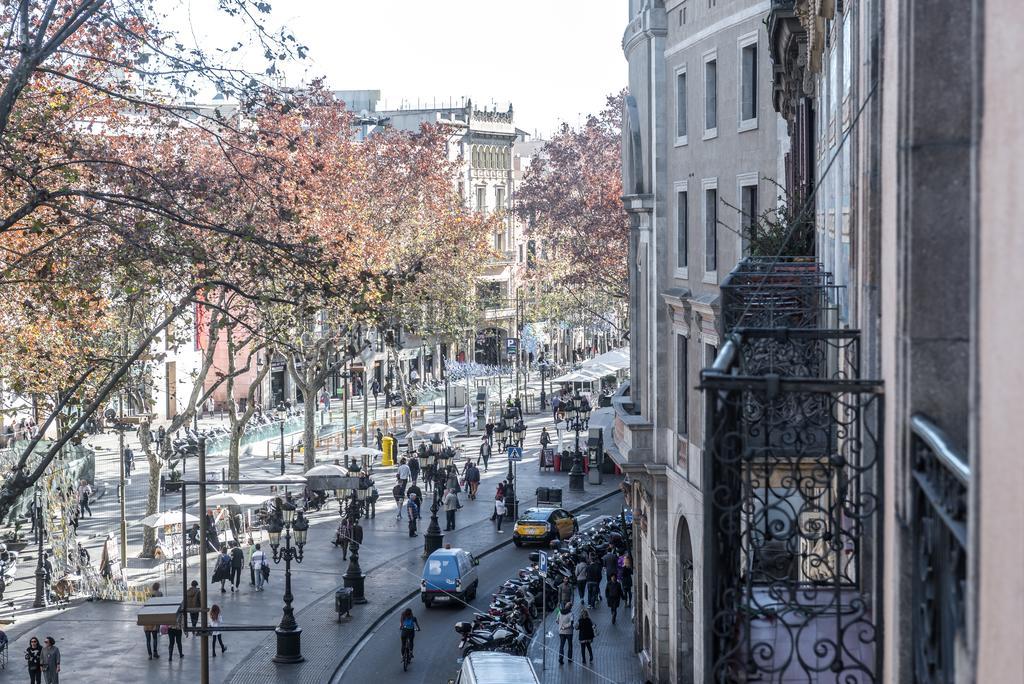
x=682 y=228
x=499 y=199
x=682 y=387
x=481 y=199
x=681 y=107
x=749 y=211
x=748 y=83
x=520 y=253
x=711 y=96
x=710 y=230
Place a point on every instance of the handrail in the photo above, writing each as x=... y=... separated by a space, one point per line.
x=941 y=445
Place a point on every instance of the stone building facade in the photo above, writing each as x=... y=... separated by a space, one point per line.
x=702 y=152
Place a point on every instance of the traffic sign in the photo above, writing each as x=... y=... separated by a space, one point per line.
x=543 y=564
x=512 y=346
x=515 y=453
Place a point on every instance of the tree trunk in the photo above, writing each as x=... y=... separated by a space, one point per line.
x=234 y=444
x=153 y=496
x=309 y=427
x=405 y=392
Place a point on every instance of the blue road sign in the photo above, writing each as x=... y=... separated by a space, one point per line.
x=512 y=346
x=515 y=453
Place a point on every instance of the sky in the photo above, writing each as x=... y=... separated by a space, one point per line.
x=554 y=60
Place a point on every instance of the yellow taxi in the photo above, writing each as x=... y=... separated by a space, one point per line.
x=544 y=525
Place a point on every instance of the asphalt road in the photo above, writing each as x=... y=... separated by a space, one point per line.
x=378 y=657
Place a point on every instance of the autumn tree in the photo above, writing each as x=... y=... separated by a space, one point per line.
x=570 y=201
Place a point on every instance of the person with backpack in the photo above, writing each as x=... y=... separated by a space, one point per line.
x=585 y=633
x=565 y=629
x=260 y=567
x=222 y=571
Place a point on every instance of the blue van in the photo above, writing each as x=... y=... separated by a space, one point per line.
x=449 y=575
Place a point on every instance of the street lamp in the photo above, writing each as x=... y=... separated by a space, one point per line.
x=289 y=648
x=579 y=416
x=433 y=538
x=354 y=578
x=281 y=416
x=40 y=601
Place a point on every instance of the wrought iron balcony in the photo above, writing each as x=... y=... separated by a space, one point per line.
x=792 y=479
x=941 y=478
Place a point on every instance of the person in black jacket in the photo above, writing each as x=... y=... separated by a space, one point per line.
x=33 y=658
x=585 y=634
x=594 y=570
x=237 y=561
x=613 y=594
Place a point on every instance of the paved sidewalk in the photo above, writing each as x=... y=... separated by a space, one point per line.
x=614 y=658
x=390 y=558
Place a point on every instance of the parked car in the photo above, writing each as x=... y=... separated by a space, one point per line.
x=483 y=667
x=543 y=526
x=449 y=575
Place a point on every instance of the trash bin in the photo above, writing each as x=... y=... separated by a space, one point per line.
x=343 y=601
x=388 y=447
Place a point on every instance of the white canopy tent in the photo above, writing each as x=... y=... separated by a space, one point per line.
x=616 y=360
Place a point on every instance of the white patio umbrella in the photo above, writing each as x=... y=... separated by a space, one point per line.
x=235 y=499
x=287 y=478
x=326 y=470
x=360 y=451
x=574 y=376
x=429 y=429
x=167 y=518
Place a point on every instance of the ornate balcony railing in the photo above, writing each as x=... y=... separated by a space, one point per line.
x=792 y=486
x=941 y=478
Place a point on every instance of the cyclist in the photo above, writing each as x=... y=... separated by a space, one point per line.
x=409 y=626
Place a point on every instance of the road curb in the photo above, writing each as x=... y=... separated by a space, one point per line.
x=394 y=606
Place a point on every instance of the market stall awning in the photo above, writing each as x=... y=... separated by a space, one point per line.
x=616 y=359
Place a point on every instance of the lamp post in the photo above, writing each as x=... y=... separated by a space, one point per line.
x=289 y=648
x=433 y=538
x=354 y=578
x=579 y=415
x=40 y=601
x=281 y=415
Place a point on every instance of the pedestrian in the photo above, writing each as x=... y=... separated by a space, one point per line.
x=404 y=474
x=260 y=567
x=153 y=631
x=585 y=633
x=222 y=571
x=174 y=637
x=47 y=575
x=565 y=628
x=380 y=435
x=399 y=493
x=473 y=480
x=555 y=403
x=499 y=493
x=565 y=593
x=342 y=536
x=211 y=531
x=129 y=461
x=237 y=561
x=611 y=562
x=594 y=570
x=489 y=431
x=627 y=579
x=499 y=513
x=581 y=577
x=415 y=491
x=613 y=594
x=451 y=504
x=50 y=661
x=414 y=468
x=216 y=620
x=545 y=438
x=34 y=658
x=193 y=602
x=371 y=500
x=485 y=451
x=248 y=562
x=413 y=511
x=84 y=494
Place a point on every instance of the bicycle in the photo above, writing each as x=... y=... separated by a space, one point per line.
x=406 y=652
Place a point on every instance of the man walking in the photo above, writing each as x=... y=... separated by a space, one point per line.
x=472 y=479
x=193 y=603
x=610 y=560
x=414 y=468
x=129 y=461
x=485 y=450
x=565 y=628
x=594 y=570
x=259 y=561
x=451 y=504
x=380 y=435
x=413 y=510
x=404 y=473
x=399 y=493
x=613 y=594
x=237 y=560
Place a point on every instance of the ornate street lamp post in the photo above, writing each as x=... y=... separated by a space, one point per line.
x=289 y=648
x=434 y=538
x=281 y=415
x=579 y=415
x=40 y=601
x=354 y=578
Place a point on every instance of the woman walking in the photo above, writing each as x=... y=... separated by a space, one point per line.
x=565 y=629
x=215 y=622
x=34 y=658
x=50 y=661
x=585 y=633
x=174 y=637
x=626 y=578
